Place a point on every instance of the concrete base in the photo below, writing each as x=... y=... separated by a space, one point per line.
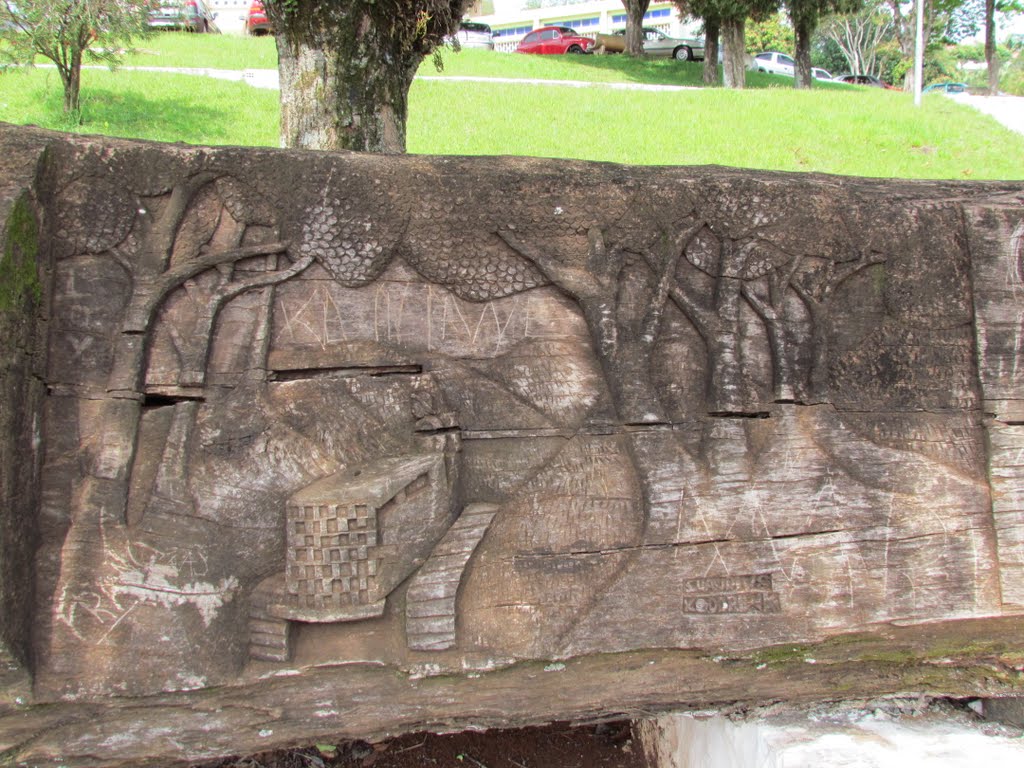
x=892 y=735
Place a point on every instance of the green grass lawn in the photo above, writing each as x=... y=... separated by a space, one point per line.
x=180 y=49
x=842 y=129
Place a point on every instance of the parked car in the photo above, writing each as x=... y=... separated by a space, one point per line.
x=869 y=80
x=656 y=43
x=946 y=88
x=256 y=21
x=555 y=40
x=187 y=15
x=820 y=74
x=775 y=63
x=474 y=34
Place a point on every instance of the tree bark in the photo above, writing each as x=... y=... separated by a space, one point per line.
x=803 y=29
x=635 y=10
x=71 y=78
x=711 y=32
x=346 y=69
x=991 y=59
x=333 y=101
x=735 y=71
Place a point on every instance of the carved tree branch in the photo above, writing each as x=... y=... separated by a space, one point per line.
x=159 y=240
x=674 y=249
x=148 y=294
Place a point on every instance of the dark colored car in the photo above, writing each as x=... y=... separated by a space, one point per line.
x=189 y=15
x=256 y=21
x=555 y=40
x=869 y=80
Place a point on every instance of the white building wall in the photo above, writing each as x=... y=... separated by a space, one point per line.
x=602 y=16
x=230 y=15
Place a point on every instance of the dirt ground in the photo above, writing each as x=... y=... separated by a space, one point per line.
x=609 y=745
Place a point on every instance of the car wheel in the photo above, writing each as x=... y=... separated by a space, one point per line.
x=574 y=49
x=682 y=53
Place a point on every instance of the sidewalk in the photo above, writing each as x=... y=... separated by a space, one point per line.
x=1008 y=110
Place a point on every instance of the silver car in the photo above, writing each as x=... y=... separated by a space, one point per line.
x=185 y=15
x=474 y=34
x=657 y=43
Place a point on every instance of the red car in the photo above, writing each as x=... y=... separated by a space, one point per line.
x=256 y=22
x=555 y=40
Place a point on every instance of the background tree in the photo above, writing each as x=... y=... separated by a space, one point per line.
x=936 y=18
x=774 y=33
x=858 y=36
x=970 y=18
x=727 y=17
x=635 y=10
x=804 y=14
x=68 y=31
x=706 y=11
x=346 y=68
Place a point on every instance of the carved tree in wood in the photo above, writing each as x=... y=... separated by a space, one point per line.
x=732 y=263
x=98 y=546
x=816 y=286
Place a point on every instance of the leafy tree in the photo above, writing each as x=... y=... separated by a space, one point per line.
x=68 y=31
x=773 y=34
x=965 y=21
x=826 y=53
x=804 y=15
x=974 y=15
x=936 y=18
x=859 y=36
x=727 y=17
x=346 y=68
x=635 y=10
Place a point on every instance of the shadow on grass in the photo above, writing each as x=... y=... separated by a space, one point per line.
x=161 y=117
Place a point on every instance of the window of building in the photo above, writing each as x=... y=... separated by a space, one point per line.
x=509 y=31
x=660 y=13
x=579 y=24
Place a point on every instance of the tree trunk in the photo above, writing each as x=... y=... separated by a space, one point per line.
x=991 y=59
x=635 y=10
x=711 y=31
x=344 y=83
x=735 y=73
x=71 y=78
x=725 y=394
x=803 y=30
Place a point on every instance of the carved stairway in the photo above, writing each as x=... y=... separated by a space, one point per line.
x=430 y=601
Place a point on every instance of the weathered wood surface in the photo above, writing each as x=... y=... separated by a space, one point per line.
x=311 y=422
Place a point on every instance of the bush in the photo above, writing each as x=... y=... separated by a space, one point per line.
x=772 y=34
x=1012 y=79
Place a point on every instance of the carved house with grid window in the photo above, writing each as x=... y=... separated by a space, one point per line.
x=351 y=538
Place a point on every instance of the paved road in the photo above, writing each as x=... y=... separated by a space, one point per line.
x=1008 y=110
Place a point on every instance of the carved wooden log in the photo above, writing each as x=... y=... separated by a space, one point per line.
x=285 y=433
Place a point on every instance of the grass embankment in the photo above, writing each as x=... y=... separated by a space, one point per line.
x=838 y=129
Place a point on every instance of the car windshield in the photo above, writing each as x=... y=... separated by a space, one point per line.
x=473 y=26
x=567 y=31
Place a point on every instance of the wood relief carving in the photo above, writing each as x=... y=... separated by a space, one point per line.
x=447 y=414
